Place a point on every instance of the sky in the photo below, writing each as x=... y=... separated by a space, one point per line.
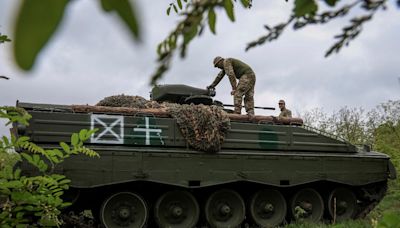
x=93 y=56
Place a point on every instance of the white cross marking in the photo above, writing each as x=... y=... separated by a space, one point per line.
x=147 y=130
x=108 y=128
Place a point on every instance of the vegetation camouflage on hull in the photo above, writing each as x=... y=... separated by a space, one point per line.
x=265 y=173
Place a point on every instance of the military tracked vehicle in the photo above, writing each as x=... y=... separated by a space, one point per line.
x=269 y=171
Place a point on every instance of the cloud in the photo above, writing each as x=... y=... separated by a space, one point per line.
x=93 y=56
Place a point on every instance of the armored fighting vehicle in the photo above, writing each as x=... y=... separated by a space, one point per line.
x=268 y=171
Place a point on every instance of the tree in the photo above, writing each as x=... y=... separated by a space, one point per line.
x=358 y=126
x=39 y=19
x=350 y=124
x=387 y=129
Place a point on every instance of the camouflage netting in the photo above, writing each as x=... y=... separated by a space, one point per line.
x=128 y=101
x=204 y=127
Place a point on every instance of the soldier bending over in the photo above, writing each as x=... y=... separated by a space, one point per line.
x=236 y=69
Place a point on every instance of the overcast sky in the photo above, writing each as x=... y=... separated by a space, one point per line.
x=93 y=56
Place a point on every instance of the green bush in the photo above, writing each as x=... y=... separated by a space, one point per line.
x=34 y=200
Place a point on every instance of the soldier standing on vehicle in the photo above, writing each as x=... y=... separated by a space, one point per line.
x=284 y=111
x=236 y=69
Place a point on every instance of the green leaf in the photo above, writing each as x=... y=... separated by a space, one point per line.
x=228 y=5
x=74 y=139
x=331 y=2
x=27 y=157
x=20 y=215
x=65 y=181
x=106 y=5
x=212 y=17
x=159 y=48
x=17 y=173
x=58 y=153
x=42 y=166
x=22 y=139
x=91 y=132
x=36 y=159
x=57 y=177
x=175 y=8
x=13 y=184
x=169 y=10
x=65 y=147
x=55 y=160
x=37 y=21
x=179 y=3
x=5 y=190
x=190 y=34
x=83 y=134
x=30 y=208
x=3 y=215
x=172 y=41
x=245 y=3
x=126 y=12
x=6 y=141
x=58 y=194
x=66 y=204
x=305 y=7
x=4 y=38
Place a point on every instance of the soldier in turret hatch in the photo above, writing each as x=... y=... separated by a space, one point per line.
x=236 y=69
x=284 y=111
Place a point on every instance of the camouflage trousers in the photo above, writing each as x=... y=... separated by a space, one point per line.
x=245 y=88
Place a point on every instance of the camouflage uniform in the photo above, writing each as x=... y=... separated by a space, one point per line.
x=236 y=69
x=285 y=113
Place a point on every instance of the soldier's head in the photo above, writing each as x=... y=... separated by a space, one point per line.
x=281 y=104
x=218 y=62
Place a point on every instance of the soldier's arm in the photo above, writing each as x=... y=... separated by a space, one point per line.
x=289 y=113
x=230 y=72
x=218 y=79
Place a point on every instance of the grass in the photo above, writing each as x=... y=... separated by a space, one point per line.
x=361 y=223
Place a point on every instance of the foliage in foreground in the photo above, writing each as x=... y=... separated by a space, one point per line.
x=33 y=200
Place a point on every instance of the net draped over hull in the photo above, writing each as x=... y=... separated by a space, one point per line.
x=203 y=127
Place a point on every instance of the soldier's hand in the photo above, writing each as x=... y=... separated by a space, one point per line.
x=233 y=92
x=210 y=87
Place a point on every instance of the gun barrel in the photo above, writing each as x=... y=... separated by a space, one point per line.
x=257 y=107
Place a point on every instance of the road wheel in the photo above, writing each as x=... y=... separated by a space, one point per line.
x=178 y=209
x=225 y=208
x=124 y=209
x=342 y=204
x=307 y=204
x=268 y=208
